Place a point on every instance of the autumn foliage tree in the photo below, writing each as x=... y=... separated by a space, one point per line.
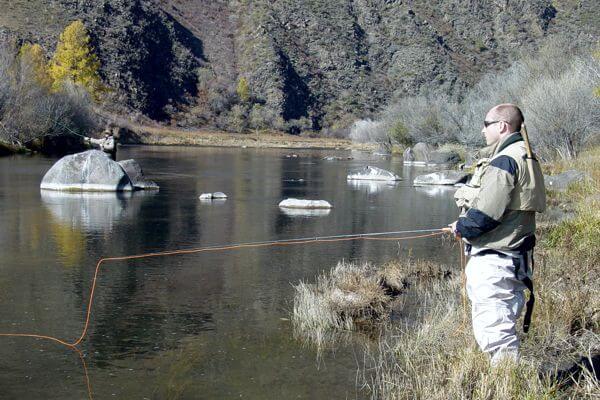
x=75 y=60
x=243 y=89
x=33 y=61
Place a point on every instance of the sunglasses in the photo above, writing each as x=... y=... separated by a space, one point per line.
x=488 y=123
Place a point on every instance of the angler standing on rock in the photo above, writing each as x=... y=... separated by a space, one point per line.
x=107 y=143
x=497 y=222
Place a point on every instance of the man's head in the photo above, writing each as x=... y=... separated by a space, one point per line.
x=501 y=121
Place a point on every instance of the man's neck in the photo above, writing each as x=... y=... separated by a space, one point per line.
x=507 y=140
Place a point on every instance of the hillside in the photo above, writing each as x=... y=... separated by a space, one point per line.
x=311 y=64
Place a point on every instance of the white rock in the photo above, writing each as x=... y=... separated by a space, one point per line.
x=373 y=174
x=303 y=203
x=213 y=196
x=447 y=177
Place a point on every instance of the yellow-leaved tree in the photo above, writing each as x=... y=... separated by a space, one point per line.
x=33 y=60
x=74 y=60
x=243 y=89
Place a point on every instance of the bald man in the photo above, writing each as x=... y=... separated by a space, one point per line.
x=497 y=222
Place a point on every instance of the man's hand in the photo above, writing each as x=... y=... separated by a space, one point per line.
x=452 y=229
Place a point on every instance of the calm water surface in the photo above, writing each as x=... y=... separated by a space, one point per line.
x=198 y=326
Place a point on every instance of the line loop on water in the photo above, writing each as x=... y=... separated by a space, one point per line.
x=383 y=236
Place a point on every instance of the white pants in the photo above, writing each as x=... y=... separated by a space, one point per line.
x=497 y=299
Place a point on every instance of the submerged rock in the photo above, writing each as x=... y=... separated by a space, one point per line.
x=303 y=203
x=136 y=175
x=336 y=158
x=91 y=170
x=373 y=174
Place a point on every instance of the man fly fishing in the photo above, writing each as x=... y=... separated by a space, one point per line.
x=497 y=223
x=107 y=143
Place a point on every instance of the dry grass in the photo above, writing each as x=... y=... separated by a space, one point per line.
x=354 y=297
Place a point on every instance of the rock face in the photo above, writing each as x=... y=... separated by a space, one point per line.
x=448 y=177
x=309 y=61
x=303 y=203
x=88 y=171
x=562 y=181
x=370 y=173
x=136 y=175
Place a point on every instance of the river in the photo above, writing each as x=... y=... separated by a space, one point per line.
x=196 y=326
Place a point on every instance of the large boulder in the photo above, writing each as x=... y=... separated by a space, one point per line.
x=422 y=152
x=136 y=175
x=561 y=182
x=447 y=177
x=91 y=170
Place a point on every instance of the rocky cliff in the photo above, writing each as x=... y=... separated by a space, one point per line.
x=322 y=63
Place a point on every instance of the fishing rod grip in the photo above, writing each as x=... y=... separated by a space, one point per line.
x=526 y=139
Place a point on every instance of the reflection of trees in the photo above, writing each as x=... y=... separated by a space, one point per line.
x=69 y=241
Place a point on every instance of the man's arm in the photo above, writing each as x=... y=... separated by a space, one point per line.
x=497 y=184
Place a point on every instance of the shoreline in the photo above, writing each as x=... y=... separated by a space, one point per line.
x=162 y=136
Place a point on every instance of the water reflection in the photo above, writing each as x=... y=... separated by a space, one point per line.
x=93 y=211
x=435 y=190
x=372 y=187
x=305 y=212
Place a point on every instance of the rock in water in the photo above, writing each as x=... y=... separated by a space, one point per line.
x=88 y=171
x=211 y=196
x=373 y=174
x=302 y=203
x=422 y=152
x=448 y=177
x=136 y=175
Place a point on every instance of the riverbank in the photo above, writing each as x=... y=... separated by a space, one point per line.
x=148 y=135
x=432 y=354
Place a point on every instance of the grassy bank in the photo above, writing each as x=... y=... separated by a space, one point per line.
x=434 y=356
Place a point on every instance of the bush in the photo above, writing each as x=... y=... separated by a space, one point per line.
x=366 y=130
x=29 y=111
x=421 y=119
x=558 y=95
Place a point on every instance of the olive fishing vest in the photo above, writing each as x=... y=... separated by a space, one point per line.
x=499 y=203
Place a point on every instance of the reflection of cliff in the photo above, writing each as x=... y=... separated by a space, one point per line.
x=93 y=211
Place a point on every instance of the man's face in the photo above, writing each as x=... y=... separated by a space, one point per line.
x=494 y=128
